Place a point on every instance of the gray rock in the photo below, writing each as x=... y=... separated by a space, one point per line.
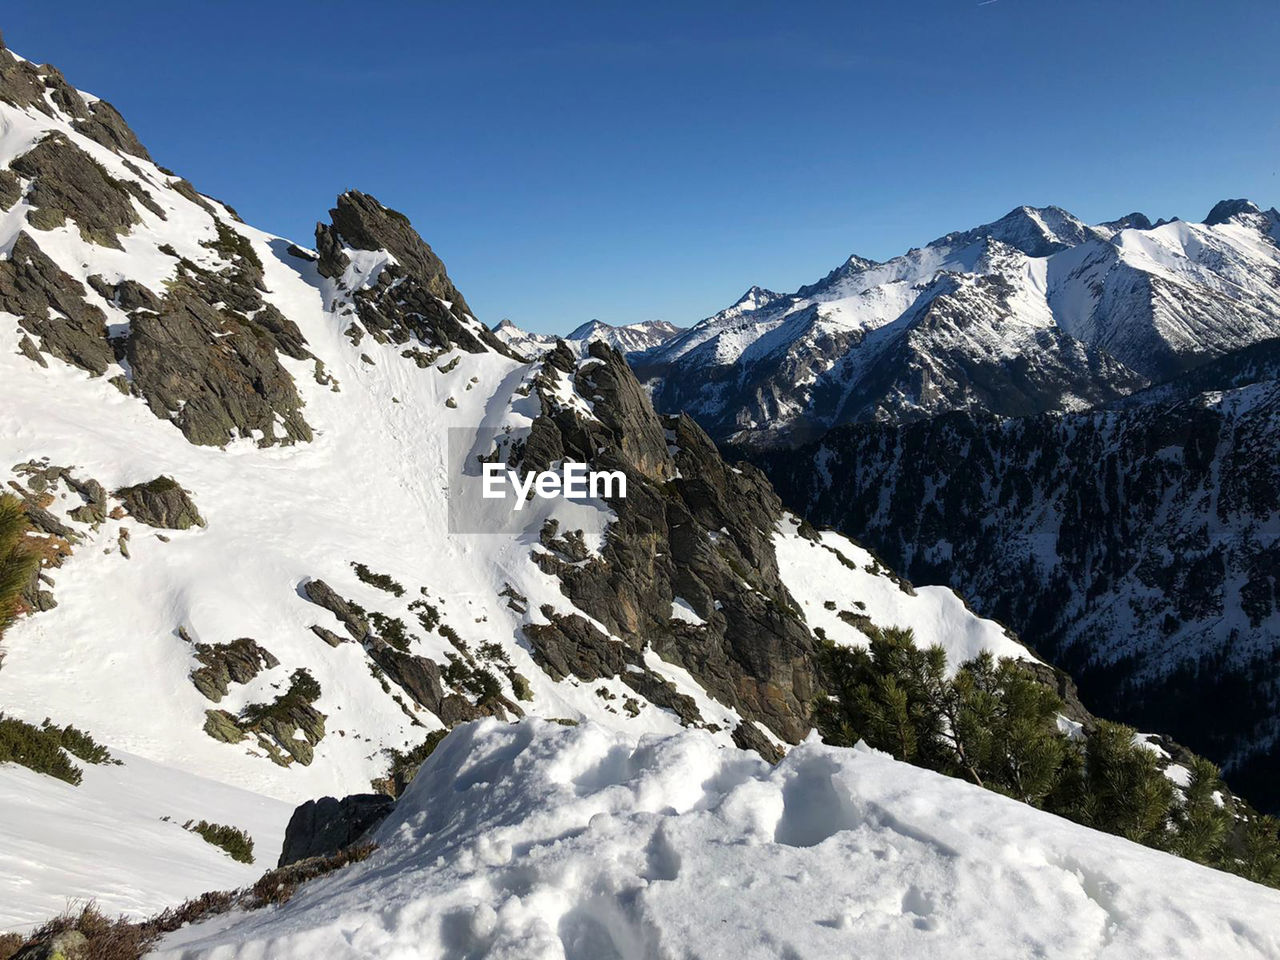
x=223 y=664
x=10 y=189
x=323 y=595
x=32 y=286
x=105 y=126
x=209 y=372
x=320 y=828
x=68 y=183
x=161 y=503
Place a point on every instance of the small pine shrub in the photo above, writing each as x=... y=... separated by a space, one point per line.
x=995 y=723
x=237 y=843
x=380 y=580
x=45 y=748
x=392 y=630
x=428 y=615
x=18 y=561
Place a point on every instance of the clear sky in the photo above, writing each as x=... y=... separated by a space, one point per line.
x=652 y=160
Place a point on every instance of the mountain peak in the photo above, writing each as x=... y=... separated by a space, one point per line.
x=1225 y=210
x=1036 y=231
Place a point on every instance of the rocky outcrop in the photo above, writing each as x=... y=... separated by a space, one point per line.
x=51 y=305
x=320 y=828
x=690 y=526
x=412 y=296
x=205 y=356
x=287 y=729
x=223 y=664
x=161 y=503
x=419 y=677
x=68 y=184
x=323 y=595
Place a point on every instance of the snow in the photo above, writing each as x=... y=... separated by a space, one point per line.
x=680 y=610
x=541 y=841
x=107 y=839
x=814 y=574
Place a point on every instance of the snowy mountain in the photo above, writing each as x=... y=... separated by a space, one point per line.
x=630 y=338
x=237 y=455
x=1136 y=546
x=679 y=848
x=1035 y=312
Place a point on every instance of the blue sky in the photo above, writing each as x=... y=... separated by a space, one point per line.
x=653 y=160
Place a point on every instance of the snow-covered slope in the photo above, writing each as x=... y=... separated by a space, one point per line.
x=628 y=338
x=237 y=454
x=539 y=841
x=1036 y=311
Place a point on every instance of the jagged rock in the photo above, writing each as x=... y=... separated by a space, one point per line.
x=747 y=737
x=223 y=726
x=69 y=184
x=104 y=125
x=225 y=663
x=32 y=286
x=411 y=298
x=323 y=595
x=420 y=678
x=328 y=636
x=322 y=827
x=690 y=526
x=10 y=189
x=568 y=645
x=360 y=221
x=27 y=347
x=208 y=372
x=161 y=503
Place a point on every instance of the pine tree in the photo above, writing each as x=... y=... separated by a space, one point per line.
x=1125 y=790
x=1201 y=822
x=17 y=559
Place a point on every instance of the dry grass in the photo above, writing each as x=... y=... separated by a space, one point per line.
x=124 y=939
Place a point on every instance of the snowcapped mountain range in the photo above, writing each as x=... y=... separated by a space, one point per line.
x=239 y=455
x=628 y=338
x=234 y=450
x=1034 y=312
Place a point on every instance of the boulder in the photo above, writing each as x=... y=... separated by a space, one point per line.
x=320 y=828
x=161 y=503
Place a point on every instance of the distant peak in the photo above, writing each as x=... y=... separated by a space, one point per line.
x=587 y=329
x=756 y=296
x=1225 y=210
x=1036 y=231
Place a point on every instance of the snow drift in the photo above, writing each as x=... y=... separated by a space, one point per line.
x=536 y=840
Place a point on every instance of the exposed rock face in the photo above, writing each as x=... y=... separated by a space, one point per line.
x=161 y=503
x=223 y=664
x=211 y=375
x=412 y=298
x=690 y=526
x=570 y=646
x=320 y=828
x=205 y=356
x=419 y=677
x=323 y=595
x=66 y=183
x=1136 y=547
x=32 y=286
